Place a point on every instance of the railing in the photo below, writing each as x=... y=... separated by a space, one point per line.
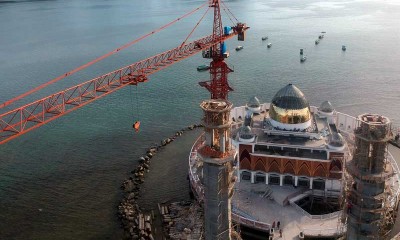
x=304 y=212
x=250 y=223
x=292 y=195
x=327 y=216
x=395 y=167
x=322 y=232
x=194 y=180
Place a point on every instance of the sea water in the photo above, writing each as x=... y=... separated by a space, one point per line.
x=61 y=181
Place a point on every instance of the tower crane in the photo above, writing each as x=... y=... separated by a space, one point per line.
x=26 y=118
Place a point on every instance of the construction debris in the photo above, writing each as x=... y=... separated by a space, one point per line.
x=182 y=220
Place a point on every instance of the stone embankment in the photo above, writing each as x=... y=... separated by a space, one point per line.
x=135 y=223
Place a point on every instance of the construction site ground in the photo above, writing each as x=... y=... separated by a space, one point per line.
x=248 y=199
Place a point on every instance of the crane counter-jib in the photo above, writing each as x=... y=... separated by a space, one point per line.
x=33 y=115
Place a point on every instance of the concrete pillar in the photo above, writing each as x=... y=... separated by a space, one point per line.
x=311 y=182
x=217 y=207
x=210 y=137
x=266 y=178
x=296 y=180
x=281 y=180
x=222 y=141
x=252 y=176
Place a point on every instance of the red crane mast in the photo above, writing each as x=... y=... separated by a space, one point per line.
x=33 y=115
x=218 y=84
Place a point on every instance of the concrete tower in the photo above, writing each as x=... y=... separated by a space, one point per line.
x=217 y=156
x=370 y=202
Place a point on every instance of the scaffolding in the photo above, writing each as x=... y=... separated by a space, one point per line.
x=217 y=156
x=370 y=202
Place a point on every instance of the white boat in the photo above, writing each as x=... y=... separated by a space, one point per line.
x=238 y=48
x=269 y=45
x=303 y=58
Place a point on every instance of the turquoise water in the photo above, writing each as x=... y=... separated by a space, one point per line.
x=72 y=168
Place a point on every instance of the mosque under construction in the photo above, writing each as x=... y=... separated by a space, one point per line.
x=317 y=172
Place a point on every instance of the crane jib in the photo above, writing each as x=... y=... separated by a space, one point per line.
x=33 y=115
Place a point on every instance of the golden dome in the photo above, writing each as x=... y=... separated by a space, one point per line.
x=290 y=108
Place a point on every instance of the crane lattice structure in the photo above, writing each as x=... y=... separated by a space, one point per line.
x=23 y=119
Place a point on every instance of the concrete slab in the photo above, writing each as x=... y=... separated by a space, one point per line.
x=248 y=198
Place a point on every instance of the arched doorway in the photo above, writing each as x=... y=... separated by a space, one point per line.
x=274 y=179
x=260 y=177
x=303 y=182
x=288 y=180
x=319 y=184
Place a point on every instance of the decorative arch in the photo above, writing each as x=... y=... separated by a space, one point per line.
x=245 y=164
x=260 y=165
x=320 y=171
x=336 y=165
x=274 y=166
x=245 y=154
x=304 y=170
x=289 y=168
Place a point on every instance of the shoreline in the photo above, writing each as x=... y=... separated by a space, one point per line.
x=138 y=188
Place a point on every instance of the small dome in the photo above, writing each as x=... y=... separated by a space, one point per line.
x=326 y=107
x=253 y=102
x=336 y=140
x=290 y=109
x=245 y=132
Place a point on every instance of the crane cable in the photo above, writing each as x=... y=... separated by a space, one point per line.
x=197 y=24
x=6 y=103
x=136 y=124
x=230 y=11
x=228 y=15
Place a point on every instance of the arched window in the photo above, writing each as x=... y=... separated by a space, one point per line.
x=245 y=176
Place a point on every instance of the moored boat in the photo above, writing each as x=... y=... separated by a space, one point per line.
x=269 y=45
x=238 y=48
x=203 y=67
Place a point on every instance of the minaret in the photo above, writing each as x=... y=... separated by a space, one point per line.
x=217 y=156
x=370 y=202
